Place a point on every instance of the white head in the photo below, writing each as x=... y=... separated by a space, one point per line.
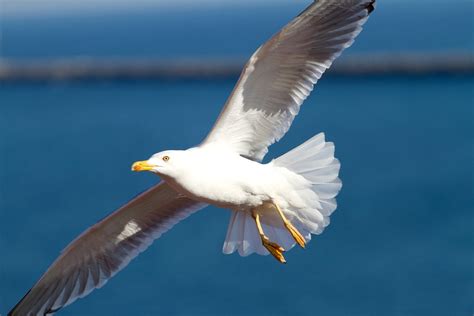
x=167 y=163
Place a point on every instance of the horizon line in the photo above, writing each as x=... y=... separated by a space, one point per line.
x=90 y=68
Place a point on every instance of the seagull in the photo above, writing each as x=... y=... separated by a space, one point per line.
x=274 y=205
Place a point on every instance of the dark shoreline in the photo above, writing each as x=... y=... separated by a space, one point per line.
x=159 y=69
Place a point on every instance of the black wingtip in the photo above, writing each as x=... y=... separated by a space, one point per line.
x=51 y=311
x=371 y=7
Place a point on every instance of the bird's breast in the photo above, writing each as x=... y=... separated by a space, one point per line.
x=230 y=183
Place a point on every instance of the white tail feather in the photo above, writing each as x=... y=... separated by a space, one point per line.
x=314 y=160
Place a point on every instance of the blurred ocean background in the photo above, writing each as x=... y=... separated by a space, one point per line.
x=401 y=241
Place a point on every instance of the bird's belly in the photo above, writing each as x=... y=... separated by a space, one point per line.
x=225 y=195
x=227 y=187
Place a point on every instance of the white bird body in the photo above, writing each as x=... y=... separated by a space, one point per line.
x=273 y=205
x=225 y=179
x=303 y=183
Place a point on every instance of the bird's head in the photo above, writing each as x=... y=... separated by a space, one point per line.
x=163 y=163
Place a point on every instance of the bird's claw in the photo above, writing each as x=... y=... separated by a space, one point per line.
x=275 y=249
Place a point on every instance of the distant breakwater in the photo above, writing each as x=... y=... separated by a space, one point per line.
x=194 y=69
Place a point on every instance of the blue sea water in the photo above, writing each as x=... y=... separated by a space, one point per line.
x=400 y=243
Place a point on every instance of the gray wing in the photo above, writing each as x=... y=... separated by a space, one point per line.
x=281 y=74
x=106 y=248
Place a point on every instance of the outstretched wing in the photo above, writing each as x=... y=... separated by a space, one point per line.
x=281 y=74
x=106 y=248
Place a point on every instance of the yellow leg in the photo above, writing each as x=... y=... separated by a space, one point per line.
x=292 y=229
x=275 y=249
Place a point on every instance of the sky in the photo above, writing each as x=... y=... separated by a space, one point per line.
x=15 y=7
x=45 y=6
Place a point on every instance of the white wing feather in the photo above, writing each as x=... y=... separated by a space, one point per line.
x=106 y=248
x=281 y=74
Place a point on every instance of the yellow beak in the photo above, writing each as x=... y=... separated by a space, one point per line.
x=141 y=166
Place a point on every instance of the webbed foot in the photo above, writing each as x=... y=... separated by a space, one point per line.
x=273 y=248
x=297 y=236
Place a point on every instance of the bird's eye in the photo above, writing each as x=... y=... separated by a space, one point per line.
x=166 y=158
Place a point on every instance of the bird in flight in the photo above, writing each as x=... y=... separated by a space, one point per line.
x=274 y=206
